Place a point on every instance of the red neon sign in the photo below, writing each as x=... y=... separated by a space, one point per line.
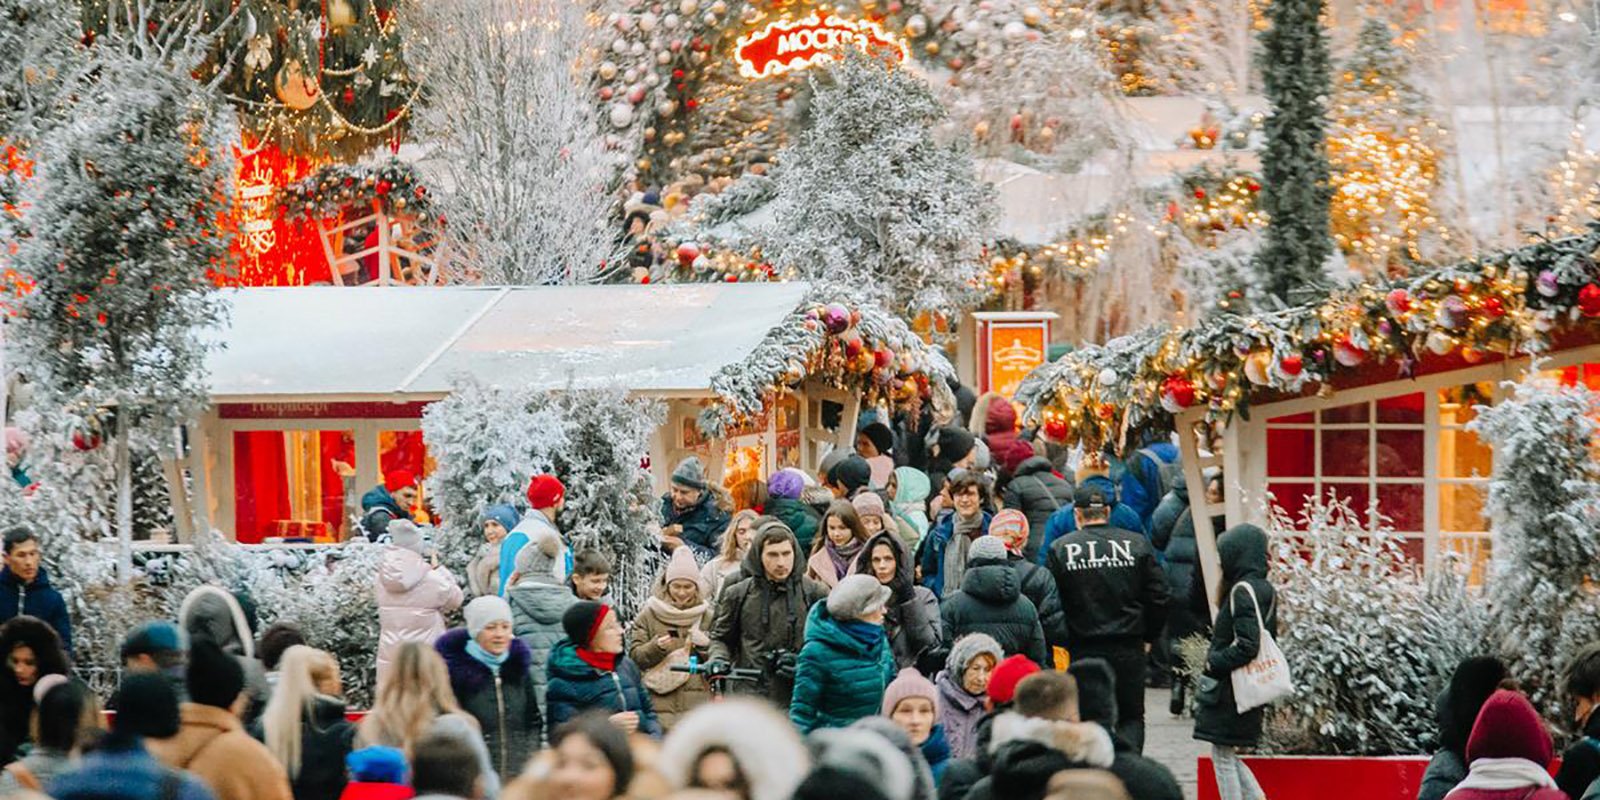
x=795 y=44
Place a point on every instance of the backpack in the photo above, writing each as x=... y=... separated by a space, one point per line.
x=1166 y=472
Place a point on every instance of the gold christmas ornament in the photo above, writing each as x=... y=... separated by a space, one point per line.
x=295 y=88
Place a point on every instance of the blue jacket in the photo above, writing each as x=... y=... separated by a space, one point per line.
x=932 y=550
x=838 y=678
x=378 y=508
x=37 y=599
x=936 y=750
x=703 y=524
x=1063 y=522
x=121 y=769
x=1140 y=484
x=573 y=687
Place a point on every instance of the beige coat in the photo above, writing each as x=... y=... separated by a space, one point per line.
x=212 y=744
x=644 y=651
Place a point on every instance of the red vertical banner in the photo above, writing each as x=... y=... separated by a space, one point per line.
x=272 y=250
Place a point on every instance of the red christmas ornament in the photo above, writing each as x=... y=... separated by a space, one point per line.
x=1589 y=300
x=1199 y=194
x=853 y=346
x=691 y=104
x=1177 y=393
x=645 y=279
x=1254 y=187
x=349 y=96
x=687 y=253
x=383 y=187
x=1398 y=301
x=731 y=278
x=883 y=357
x=1291 y=365
x=1056 y=430
x=1494 y=307
x=85 y=442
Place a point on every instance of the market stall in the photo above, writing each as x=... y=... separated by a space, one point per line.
x=755 y=377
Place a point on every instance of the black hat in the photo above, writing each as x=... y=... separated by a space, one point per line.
x=852 y=473
x=881 y=437
x=215 y=677
x=147 y=705
x=1087 y=496
x=581 y=621
x=954 y=443
x=1097 y=691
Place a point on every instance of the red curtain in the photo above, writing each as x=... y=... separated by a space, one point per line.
x=260 y=484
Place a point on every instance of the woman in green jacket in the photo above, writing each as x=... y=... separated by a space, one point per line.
x=846 y=662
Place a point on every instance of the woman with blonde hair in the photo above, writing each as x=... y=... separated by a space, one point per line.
x=304 y=725
x=416 y=700
x=724 y=568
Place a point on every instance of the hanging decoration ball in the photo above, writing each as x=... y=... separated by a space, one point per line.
x=608 y=70
x=1544 y=321
x=1439 y=343
x=85 y=441
x=1056 y=429
x=732 y=278
x=1291 y=365
x=836 y=317
x=1589 y=300
x=687 y=253
x=1453 y=312
x=1347 y=353
x=1494 y=307
x=1177 y=393
x=1257 y=367
x=882 y=357
x=621 y=115
x=1472 y=355
x=1547 y=284
x=340 y=15
x=1398 y=302
x=853 y=346
x=295 y=87
x=1107 y=377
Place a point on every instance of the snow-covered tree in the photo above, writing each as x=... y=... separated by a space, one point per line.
x=866 y=197
x=1544 y=514
x=1206 y=48
x=527 y=180
x=488 y=441
x=1370 y=640
x=1215 y=274
x=39 y=38
x=126 y=213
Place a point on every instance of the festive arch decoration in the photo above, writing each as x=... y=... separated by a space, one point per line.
x=788 y=45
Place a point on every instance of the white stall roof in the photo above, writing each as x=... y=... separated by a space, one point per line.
x=367 y=343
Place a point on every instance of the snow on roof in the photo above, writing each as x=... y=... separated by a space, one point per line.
x=285 y=344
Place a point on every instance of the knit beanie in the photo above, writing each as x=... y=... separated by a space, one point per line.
x=540 y=557
x=969 y=647
x=582 y=620
x=683 y=567
x=503 y=514
x=376 y=765
x=485 y=610
x=831 y=460
x=860 y=762
x=786 y=483
x=852 y=473
x=882 y=438
x=857 y=596
x=396 y=479
x=1007 y=674
x=867 y=504
x=157 y=636
x=405 y=534
x=690 y=473
x=908 y=684
x=1509 y=727
x=147 y=706
x=983 y=460
x=986 y=547
x=954 y=443
x=215 y=678
x=545 y=491
x=1011 y=527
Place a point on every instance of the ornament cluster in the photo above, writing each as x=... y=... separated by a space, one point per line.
x=329 y=191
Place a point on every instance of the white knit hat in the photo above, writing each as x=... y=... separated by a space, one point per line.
x=484 y=610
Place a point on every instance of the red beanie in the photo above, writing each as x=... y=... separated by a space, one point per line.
x=396 y=479
x=1007 y=674
x=545 y=491
x=1508 y=727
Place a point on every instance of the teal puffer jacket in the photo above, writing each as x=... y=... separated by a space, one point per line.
x=838 y=678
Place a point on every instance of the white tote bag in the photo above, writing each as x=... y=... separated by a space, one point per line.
x=1266 y=678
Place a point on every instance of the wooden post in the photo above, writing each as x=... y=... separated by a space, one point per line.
x=1200 y=510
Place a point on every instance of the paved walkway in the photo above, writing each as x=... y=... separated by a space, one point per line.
x=1169 y=740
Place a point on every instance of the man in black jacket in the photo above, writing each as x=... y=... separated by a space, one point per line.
x=1115 y=597
x=1144 y=778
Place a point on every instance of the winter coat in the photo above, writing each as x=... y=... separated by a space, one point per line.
x=1175 y=538
x=819 y=567
x=1235 y=641
x=910 y=506
x=959 y=712
x=838 y=678
x=931 y=557
x=644 y=651
x=326 y=737
x=413 y=597
x=483 y=571
x=716 y=574
x=536 y=610
x=757 y=617
x=1064 y=522
x=703 y=524
x=1028 y=752
x=576 y=687
x=936 y=751
x=378 y=509
x=505 y=705
x=37 y=599
x=1580 y=763
x=1037 y=491
x=1040 y=587
x=1140 y=486
x=1110 y=585
x=912 y=620
x=212 y=745
x=209 y=612
x=961 y=774
x=990 y=601
x=1446 y=769
x=519 y=537
x=801 y=518
x=122 y=769
x=1006 y=448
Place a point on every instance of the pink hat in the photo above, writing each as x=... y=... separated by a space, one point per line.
x=909 y=683
x=682 y=567
x=1011 y=527
x=1509 y=727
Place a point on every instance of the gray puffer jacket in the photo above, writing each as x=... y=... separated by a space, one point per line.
x=536 y=610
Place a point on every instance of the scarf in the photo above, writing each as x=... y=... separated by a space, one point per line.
x=842 y=556
x=955 y=552
x=1500 y=774
x=867 y=633
x=486 y=658
x=673 y=616
x=605 y=662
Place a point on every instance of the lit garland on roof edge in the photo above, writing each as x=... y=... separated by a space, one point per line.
x=1507 y=303
x=328 y=191
x=858 y=347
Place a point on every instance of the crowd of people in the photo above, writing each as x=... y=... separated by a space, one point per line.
x=941 y=613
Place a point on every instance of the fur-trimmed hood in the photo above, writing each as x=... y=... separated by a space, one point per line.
x=467 y=675
x=210 y=612
x=763 y=743
x=1082 y=743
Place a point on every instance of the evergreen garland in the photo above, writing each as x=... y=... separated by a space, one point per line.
x=1294 y=161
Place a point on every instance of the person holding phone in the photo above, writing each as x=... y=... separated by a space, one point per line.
x=670 y=629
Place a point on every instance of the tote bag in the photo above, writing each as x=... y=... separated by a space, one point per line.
x=1266 y=678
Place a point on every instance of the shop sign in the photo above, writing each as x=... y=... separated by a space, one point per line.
x=787 y=45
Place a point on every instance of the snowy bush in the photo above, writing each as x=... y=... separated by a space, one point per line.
x=488 y=441
x=1369 y=639
x=1544 y=514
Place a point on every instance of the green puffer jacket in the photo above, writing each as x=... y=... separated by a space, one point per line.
x=839 y=678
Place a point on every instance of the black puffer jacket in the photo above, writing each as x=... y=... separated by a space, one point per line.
x=1144 y=778
x=1037 y=491
x=912 y=621
x=991 y=601
x=507 y=708
x=757 y=616
x=326 y=737
x=1235 y=639
x=1040 y=587
x=1172 y=532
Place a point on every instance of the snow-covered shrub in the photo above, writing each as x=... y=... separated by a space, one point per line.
x=1369 y=639
x=1544 y=513
x=488 y=441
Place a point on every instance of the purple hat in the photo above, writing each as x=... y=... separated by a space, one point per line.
x=786 y=483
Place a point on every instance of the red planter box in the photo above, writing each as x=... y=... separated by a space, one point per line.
x=1327 y=777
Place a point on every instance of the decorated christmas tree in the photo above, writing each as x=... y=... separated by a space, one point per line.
x=1385 y=150
x=1294 y=163
x=1544 y=514
x=866 y=197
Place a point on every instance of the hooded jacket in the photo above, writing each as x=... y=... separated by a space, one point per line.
x=1172 y=533
x=960 y=710
x=326 y=737
x=1040 y=587
x=757 y=617
x=504 y=705
x=991 y=602
x=760 y=740
x=1508 y=739
x=378 y=509
x=801 y=518
x=209 y=612
x=1000 y=434
x=1457 y=708
x=1110 y=585
x=703 y=524
x=1144 y=778
x=1236 y=638
x=910 y=504
x=536 y=610
x=35 y=599
x=1063 y=522
x=838 y=678
x=912 y=620
x=576 y=687
x=412 y=598
x=212 y=745
x=1038 y=492
x=1027 y=752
